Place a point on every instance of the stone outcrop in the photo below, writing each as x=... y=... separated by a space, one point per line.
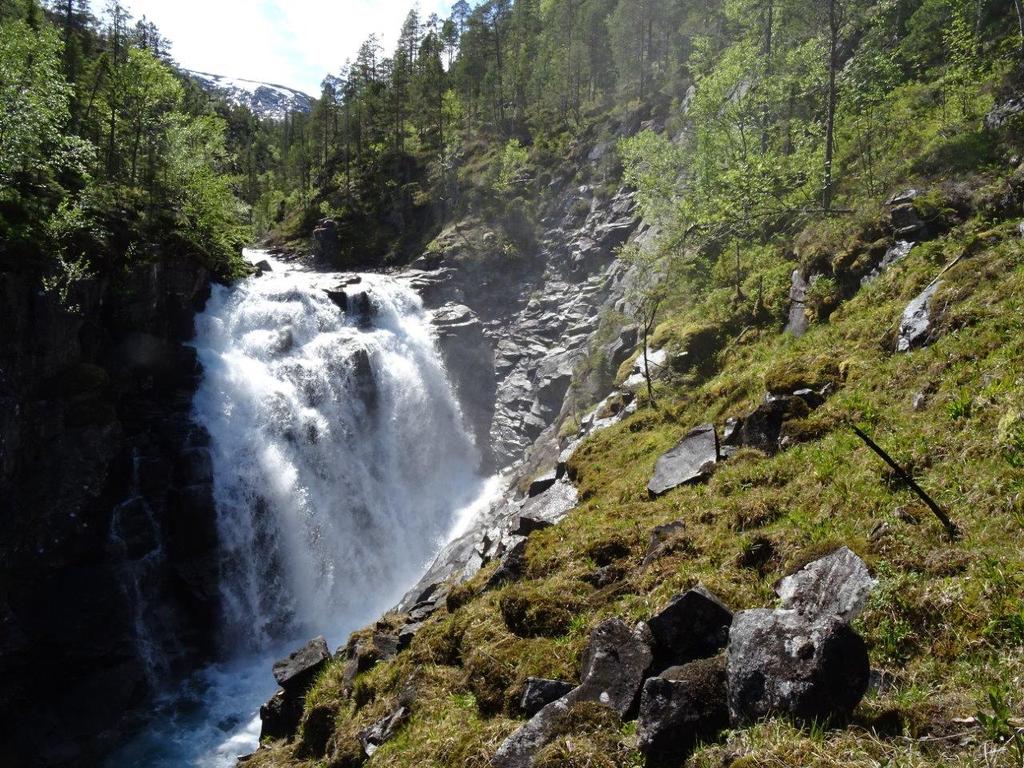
x=325 y=243
x=916 y=322
x=540 y=692
x=781 y=664
x=295 y=674
x=838 y=584
x=692 y=459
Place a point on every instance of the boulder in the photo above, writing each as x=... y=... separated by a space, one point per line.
x=762 y=429
x=540 y=692
x=364 y=651
x=680 y=707
x=362 y=379
x=549 y=508
x=262 y=267
x=326 y=245
x=297 y=672
x=694 y=625
x=1002 y=113
x=780 y=663
x=614 y=667
x=837 y=585
x=511 y=567
x=280 y=716
x=693 y=459
x=916 y=323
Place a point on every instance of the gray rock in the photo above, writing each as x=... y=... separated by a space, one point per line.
x=916 y=323
x=615 y=665
x=679 y=709
x=837 y=585
x=363 y=652
x=693 y=458
x=542 y=483
x=280 y=716
x=550 y=507
x=326 y=245
x=780 y=663
x=797 y=324
x=511 y=567
x=896 y=253
x=382 y=731
x=297 y=672
x=762 y=428
x=999 y=115
x=540 y=692
x=613 y=671
x=694 y=625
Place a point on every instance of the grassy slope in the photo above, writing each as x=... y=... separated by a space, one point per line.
x=947 y=622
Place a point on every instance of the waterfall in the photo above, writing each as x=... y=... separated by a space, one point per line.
x=341 y=465
x=339 y=450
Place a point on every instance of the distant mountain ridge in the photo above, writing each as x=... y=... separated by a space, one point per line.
x=266 y=100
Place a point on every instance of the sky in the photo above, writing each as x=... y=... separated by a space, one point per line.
x=286 y=42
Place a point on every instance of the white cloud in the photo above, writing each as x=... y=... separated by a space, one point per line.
x=289 y=42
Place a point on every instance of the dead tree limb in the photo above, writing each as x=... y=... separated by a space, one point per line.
x=949 y=525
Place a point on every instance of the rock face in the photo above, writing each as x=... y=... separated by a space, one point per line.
x=680 y=707
x=916 y=323
x=383 y=730
x=693 y=458
x=469 y=358
x=781 y=664
x=297 y=671
x=99 y=461
x=694 y=625
x=797 y=324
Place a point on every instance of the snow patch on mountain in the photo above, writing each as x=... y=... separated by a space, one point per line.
x=266 y=100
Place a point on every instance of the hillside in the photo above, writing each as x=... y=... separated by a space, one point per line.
x=830 y=237
x=676 y=349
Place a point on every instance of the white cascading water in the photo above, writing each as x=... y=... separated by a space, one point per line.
x=341 y=466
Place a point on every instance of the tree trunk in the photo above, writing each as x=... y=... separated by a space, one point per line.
x=767 y=53
x=833 y=64
x=1020 y=27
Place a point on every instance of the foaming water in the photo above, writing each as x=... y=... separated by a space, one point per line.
x=341 y=466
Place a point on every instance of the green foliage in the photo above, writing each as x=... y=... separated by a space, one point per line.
x=103 y=169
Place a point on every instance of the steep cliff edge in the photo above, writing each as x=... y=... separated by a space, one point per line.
x=107 y=582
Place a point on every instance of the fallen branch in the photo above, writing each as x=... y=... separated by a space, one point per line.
x=949 y=525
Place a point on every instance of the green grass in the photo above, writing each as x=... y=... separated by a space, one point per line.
x=946 y=623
